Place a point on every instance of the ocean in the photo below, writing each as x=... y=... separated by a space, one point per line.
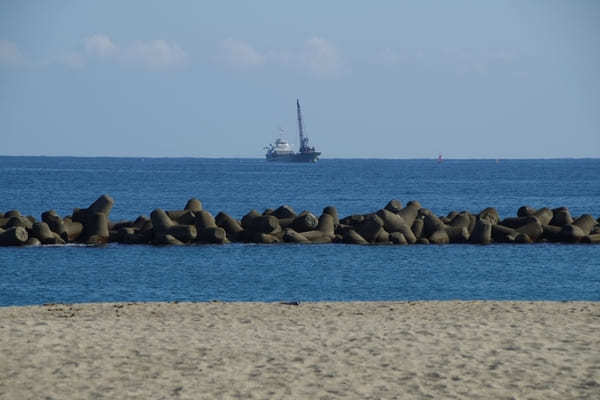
x=286 y=272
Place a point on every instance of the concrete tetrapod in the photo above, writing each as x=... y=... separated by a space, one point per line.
x=193 y=204
x=457 y=234
x=561 y=216
x=449 y=234
x=370 y=228
x=102 y=205
x=394 y=206
x=431 y=222
x=491 y=214
x=55 y=223
x=183 y=217
x=141 y=223
x=331 y=210
x=526 y=211
x=523 y=238
x=353 y=237
x=163 y=226
x=395 y=223
x=448 y=218
x=33 y=241
x=551 y=233
x=265 y=224
x=575 y=232
x=305 y=222
x=231 y=225
x=261 y=238
x=160 y=220
x=204 y=220
x=324 y=232
x=163 y=238
x=571 y=234
x=19 y=221
x=208 y=231
x=533 y=229
x=516 y=222
x=461 y=220
x=130 y=235
x=585 y=222
x=352 y=220
x=544 y=215
x=215 y=235
x=326 y=224
x=14 y=236
x=398 y=238
x=417 y=228
x=96 y=229
x=284 y=212
x=246 y=219
x=41 y=231
x=73 y=230
x=183 y=233
x=482 y=233
x=291 y=236
x=439 y=237
x=591 y=239
x=410 y=212
x=12 y=213
x=504 y=234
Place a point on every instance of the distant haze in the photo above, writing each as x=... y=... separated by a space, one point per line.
x=387 y=79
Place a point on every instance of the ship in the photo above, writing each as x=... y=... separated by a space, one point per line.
x=282 y=151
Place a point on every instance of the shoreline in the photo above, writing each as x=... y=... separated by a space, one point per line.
x=282 y=302
x=406 y=349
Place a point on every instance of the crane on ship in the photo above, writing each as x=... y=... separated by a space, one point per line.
x=304 y=147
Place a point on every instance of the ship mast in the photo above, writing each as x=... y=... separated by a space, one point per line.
x=303 y=140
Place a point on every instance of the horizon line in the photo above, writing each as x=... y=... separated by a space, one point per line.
x=321 y=159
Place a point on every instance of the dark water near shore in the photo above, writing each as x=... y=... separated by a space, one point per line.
x=292 y=272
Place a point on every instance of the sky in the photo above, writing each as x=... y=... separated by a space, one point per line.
x=384 y=79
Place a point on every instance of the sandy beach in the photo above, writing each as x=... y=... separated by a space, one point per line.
x=357 y=350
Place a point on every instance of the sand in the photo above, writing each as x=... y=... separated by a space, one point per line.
x=373 y=350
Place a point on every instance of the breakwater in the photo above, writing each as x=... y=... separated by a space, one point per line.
x=393 y=224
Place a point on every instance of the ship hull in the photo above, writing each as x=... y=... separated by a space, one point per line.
x=308 y=157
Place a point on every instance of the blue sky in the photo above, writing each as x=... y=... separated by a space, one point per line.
x=391 y=79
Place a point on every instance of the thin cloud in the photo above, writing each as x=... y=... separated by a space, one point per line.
x=155 y=54
x=99 y=45
x=317 y=57
x=73 y=60
x=239 y=54
x=10 y=55
x=321 y=58
x=389 y=57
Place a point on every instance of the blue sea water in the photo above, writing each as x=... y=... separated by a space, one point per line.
x=240 y=272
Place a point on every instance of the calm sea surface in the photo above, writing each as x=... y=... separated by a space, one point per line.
x=296 y=272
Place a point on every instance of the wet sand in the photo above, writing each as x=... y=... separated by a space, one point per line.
x=373 y=350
